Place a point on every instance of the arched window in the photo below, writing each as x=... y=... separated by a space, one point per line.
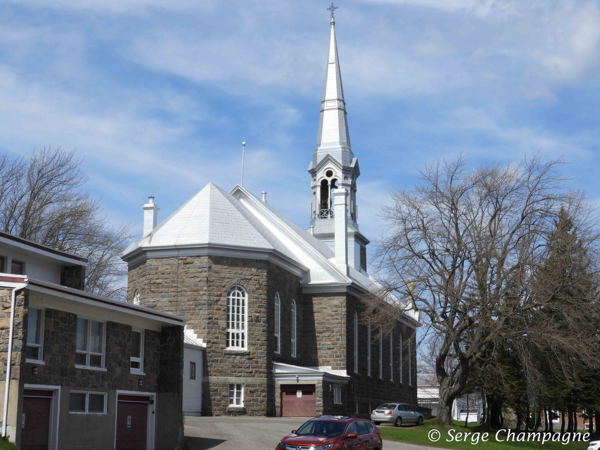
x=277 y=324
x=237 y=318
x=136 y=298
x=293 y=328
x=369 y=349
x=391 y=356
x=409 y=362
x=355 y=342
x=381 y=353
x=400 y=354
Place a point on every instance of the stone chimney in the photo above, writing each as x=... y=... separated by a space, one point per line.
x=150 y=216
x=340 y=206
x=264 y=196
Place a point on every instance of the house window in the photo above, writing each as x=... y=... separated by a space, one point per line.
x=363 y=258
x=2 y=263
x=369 y=349
x=17 y=267
x=277 y=324
x=400 y=358
x=293 y=328
x=391 y=357
x=136 y=298
x=355 y=342
x=90 y=343
x=192 y=370
x=337 y=394
x=35 y=334
x=380 y=353
x=87 y=403
x=236 y=318
x=137 y=352
x=409 y=362
x=236 y=395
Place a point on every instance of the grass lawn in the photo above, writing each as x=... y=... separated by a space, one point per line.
x=6 y=445
x=419 y=435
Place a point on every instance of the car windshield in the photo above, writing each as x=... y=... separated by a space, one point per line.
x=387 y=406
x=321 y=428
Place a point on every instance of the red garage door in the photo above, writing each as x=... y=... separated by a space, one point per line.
x=36 y=419
x=132 y=422
x=298 y=400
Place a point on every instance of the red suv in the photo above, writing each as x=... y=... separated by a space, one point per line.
x=333 y=433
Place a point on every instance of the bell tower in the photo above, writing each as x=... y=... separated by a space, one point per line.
x=333 y=164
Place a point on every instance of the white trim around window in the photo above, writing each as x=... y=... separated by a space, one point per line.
x=87 y=407
x=337 y=394
x=136 y=362
x=237 y=319
x=236 y=395
x=277 y=324
x=35 y=338
x=90 y=350
x=294 y=324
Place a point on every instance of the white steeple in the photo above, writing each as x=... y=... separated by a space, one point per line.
x=333 y=137
x=333 y=164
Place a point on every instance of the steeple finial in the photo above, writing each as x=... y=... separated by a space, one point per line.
x=332 y=8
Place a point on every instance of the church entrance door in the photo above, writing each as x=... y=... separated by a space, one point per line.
x=298 y=400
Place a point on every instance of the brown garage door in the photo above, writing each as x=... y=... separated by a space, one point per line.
x=36 y=419
x=132 y=422
x=298 y=400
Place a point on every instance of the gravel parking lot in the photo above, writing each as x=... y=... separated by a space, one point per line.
x=250 y=433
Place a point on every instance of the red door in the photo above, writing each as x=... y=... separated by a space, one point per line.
x=298 y=400
x=132 y=423
x=35 y=421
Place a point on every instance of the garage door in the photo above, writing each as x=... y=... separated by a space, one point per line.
x=192 y=381
x=132 y=422
x=298 y=400
x=36 y=419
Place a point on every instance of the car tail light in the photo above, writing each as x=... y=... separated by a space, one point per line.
x=389 y=413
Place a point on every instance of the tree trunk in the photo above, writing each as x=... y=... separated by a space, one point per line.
x=562 y=421
x=545 y=419
x=495 y=409
x=519 y=418
x=445 y=407
x=550 y=419
x=597 y=420
x=591 y=418
x=575 y=420
x=538 y=419
x=570 y=414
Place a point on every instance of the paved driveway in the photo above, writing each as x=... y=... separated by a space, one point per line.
x=248 y=433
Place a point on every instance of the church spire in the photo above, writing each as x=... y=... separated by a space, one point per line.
x=333 y=137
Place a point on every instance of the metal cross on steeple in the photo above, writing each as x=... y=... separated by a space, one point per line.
x=332 y=8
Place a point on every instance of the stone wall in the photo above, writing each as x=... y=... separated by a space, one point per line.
x=59 y=357
x=370 y=391
x=325 y=332
x=196 y=288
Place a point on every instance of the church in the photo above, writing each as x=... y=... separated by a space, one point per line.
x=278 y=309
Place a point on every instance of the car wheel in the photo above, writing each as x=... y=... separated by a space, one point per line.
x=398 y=421
x=420 y=421
x=377 y=423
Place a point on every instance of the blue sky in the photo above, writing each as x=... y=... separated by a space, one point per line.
x=157 y=95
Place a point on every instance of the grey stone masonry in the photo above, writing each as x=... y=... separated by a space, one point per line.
x=18 y=358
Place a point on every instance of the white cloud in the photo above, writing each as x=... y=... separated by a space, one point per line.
x=577 y=45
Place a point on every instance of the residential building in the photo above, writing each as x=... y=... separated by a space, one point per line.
x=84 y=371
x=279 y=308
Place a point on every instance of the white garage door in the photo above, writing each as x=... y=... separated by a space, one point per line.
x=192 y=381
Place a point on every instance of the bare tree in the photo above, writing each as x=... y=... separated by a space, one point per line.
x=42 y=199
x=463 y=247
